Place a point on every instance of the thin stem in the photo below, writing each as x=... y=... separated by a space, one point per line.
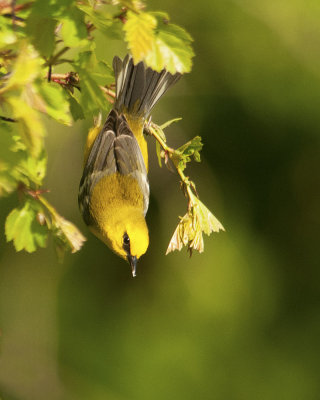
x=174 y=155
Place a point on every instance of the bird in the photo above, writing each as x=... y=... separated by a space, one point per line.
x=114 y=188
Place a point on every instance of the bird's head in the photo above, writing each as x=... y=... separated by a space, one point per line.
x=126 y=235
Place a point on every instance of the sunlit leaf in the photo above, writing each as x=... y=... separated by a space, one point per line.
x=184 y=153
x=103 y=21
x=30 y=126
x=73 y=31
x=171 y=48
x=196 y=221
x=34 y=169
x=55 y=102
x=89 y=69
x=132 y=4
x=23 y=228
x=140 y=34
x=67 y=235
x=7 y=36
x=25 y=69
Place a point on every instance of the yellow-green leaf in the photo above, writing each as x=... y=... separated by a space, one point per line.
x=196 y=221
x=140 y=34
x=25 y=69
x=171 y=49
x=55 y=102
x=31 y=128
x=67 y=234
x=23 y=228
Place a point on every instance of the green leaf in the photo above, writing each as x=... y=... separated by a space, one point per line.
x=66 y=235
x=196 y=221
x=74 y=31
x=31 y=127
x=41 y=32
x=16 y=164
x=24 y=230
x=75 y=107
x=140 y=34
x=103 y=21
x=34 y=169
x=89 y=69
x=184 y=153
x=207 y=221
x=7 y=35
x=171 y=48
x=168 y=123
x=25 y=69
x=158 y=151
x=133 y=4
x=55 y=102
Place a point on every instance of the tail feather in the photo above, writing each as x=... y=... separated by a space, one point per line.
x=139 y=88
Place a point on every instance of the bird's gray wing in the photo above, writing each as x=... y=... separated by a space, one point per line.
x=114 y=150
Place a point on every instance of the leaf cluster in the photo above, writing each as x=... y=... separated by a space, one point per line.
x=198 y=219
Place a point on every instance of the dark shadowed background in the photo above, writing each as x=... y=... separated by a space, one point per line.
x=242 y=320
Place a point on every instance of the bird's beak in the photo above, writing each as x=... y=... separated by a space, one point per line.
x=133 y=263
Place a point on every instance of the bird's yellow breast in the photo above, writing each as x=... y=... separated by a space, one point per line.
x=116 y=203
x=113 y=192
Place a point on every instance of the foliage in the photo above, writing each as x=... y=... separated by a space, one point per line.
x=198 y=218
x=35 y=38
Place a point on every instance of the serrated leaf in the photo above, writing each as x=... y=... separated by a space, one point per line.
x=16 y=164
x=75 y=107
x=103 y=21
x=93 y=74
x=73 y=31
x=171 y=48
x=29 y=123
x=67 y=235
x=196 y=221
x=55 y=102
x=140 y=34
x=208 y=222
x=41 y=32
x=10 y=157
x=34 y=169
x=183 y=154
x=24 y=230
x=92 y=99
x=193 y=146
x=25 y=69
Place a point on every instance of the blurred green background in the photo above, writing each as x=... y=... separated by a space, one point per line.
x=242 y=320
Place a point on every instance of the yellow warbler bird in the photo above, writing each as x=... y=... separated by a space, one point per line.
x=114 y=189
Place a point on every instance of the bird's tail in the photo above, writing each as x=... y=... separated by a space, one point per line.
x=138 y=88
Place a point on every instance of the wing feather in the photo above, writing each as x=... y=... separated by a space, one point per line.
x=114 y=150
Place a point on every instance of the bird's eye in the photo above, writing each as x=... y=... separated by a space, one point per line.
x=126 y=243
